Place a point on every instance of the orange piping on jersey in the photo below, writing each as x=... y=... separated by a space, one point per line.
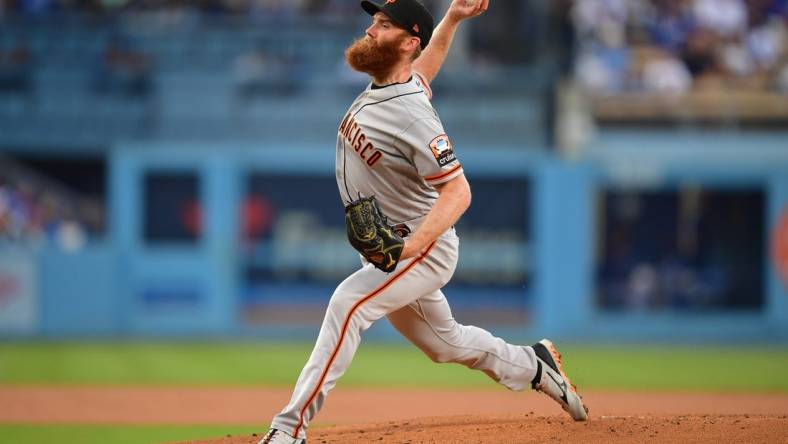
x=442 y=175
x=425 y=84
x=345 y=327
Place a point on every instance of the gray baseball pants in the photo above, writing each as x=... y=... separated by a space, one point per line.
x=412 y=300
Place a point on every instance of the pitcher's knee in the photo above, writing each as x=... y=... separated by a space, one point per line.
x=340 y=304
x=444 y=355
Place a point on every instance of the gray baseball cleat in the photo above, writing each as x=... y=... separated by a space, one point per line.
x=551 y=380
x=275 y=436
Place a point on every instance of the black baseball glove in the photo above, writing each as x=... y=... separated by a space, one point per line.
x=370 y=234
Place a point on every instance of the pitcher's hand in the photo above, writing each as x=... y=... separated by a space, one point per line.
x=465 y=9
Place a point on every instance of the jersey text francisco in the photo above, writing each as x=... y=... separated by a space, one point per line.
x=351 y=131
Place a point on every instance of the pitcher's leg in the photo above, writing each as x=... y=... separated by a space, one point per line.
x=429 y=324
x=361 y=299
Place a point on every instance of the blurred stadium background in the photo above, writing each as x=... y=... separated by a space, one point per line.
x=166 y=164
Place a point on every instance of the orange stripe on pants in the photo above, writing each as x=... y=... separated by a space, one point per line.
x=345 y=326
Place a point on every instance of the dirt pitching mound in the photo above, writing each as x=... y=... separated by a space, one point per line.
x=365 y=415
x=540 y=429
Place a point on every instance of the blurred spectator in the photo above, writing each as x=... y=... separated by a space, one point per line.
x=604 y=69
x=767 y=42
x=726 y=18
x=601 y=21
x=122 y=70
x=604 y=59
x=700 y=56
x=32 y=217
x=670 y=24
x=679 y=45
x=664 y=73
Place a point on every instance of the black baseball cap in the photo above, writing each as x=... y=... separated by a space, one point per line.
x=409 y=14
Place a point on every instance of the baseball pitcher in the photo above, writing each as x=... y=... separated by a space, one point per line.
x=403 y=188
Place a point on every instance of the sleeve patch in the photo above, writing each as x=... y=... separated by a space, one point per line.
x=442 y=150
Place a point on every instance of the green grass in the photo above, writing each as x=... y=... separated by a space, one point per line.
x=626 y=367
x=150 y=363
x=759 y=369
x=90 y=434
x=703 y=368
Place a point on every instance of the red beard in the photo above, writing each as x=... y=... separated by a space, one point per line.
x=364 y=55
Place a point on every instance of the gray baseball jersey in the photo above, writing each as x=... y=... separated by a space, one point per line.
x=392 y=145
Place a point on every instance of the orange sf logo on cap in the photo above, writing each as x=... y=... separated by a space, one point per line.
x=391 y=1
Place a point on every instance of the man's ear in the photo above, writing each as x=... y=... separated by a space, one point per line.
x=411 y=44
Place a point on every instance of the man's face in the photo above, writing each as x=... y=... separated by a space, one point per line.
x=380 y=49
x=383 y=30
